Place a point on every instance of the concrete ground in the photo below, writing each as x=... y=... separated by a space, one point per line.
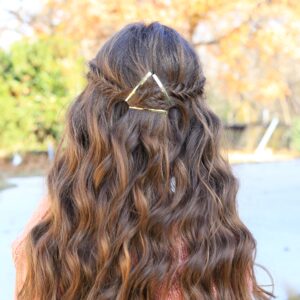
x=269 y=204
x=268 y=201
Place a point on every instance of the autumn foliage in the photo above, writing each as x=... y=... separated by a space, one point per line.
x=249 y=48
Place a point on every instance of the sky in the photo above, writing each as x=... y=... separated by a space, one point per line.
x=10 y=30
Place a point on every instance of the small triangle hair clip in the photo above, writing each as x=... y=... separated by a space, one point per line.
x=143 y=80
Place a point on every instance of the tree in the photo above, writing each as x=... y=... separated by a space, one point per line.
x=249 y=48
x=38 y=78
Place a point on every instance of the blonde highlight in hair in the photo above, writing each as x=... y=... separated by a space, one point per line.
x=113 y=227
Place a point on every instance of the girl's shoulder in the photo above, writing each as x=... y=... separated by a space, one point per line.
x=17 y=245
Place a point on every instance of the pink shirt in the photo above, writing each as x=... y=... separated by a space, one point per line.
x=17 y=248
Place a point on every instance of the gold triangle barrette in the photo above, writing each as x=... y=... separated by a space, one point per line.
x=143 y=80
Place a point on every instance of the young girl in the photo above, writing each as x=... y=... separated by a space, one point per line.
x=140 y=203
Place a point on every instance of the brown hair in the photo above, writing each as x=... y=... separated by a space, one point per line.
x=114 y=223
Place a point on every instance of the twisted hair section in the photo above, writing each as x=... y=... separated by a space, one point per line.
x=115 y=225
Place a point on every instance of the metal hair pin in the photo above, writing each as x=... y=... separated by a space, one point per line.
x=143 y=80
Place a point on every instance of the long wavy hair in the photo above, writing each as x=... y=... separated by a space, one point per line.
x=126 y=185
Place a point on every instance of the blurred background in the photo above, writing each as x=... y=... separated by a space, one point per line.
x=249 y=50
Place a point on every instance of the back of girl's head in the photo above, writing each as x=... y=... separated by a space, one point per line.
x=127 y=185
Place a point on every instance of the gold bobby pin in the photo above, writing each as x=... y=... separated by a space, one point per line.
x=143 y=80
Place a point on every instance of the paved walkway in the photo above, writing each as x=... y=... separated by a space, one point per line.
x=269 y=203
